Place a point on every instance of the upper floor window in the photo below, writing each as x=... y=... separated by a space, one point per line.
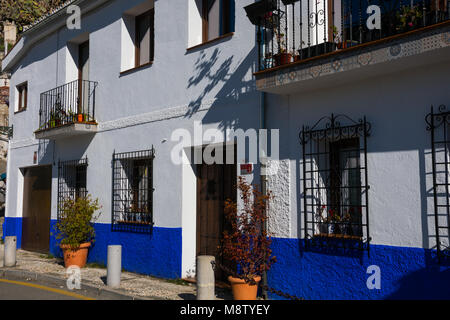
x=144 y=42
x=216 y=17
x=209 y=20
x=22 y=91
x=138 y=36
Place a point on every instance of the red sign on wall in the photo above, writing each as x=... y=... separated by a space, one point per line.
x=246 y=168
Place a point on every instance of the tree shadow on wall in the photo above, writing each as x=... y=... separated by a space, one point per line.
x=235 y=87
x=430 y=283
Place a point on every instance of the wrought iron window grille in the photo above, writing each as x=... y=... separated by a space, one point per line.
x=438 y=125
x=335 y=185
x=132 y=200
x=71 y=180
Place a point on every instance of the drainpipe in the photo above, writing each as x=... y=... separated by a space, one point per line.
x=262 y=119
x=263 y=175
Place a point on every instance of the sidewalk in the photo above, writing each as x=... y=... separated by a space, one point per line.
x=133 y=285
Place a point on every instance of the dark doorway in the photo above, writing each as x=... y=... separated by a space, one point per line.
x=215 y=184
x=37 y=209
x=83 y=77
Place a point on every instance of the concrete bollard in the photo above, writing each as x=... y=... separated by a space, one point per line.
x=10 y=251
x=114 y=268
x=205 y=278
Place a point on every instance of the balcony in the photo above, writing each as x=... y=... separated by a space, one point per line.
x=301 y=40
x=68 y=110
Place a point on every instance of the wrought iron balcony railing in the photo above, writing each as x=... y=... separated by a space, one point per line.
x=294 y=30
x=71 y=103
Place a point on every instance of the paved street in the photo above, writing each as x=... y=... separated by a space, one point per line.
x=18 y=290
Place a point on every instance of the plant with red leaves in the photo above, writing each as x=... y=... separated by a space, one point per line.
x=247 y=244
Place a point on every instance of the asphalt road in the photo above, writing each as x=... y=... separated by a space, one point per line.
x=18 y=290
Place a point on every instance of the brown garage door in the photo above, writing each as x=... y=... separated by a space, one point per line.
x=36 y=208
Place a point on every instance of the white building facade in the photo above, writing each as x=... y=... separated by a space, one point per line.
x=359 y=169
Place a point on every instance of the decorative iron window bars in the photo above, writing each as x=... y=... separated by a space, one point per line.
x=293 y=30
x=335 y=187
x=132 y=201
x=67 y=104
x=71 y=180
x=438 y=125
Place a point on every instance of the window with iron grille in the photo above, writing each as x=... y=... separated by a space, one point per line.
x=335 y=187
x=71 y=180
x=438 y=125
x=133 y=191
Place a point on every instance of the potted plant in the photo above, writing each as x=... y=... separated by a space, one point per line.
x=334 y=222
x=283 y=56
x=247 y=244
x=75 y=229
x=322 y=221
x=409 y=17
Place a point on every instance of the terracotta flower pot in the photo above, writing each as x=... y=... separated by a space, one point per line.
x=77 y=257
x=80 y=117
x=242 y=290
x=282 y=59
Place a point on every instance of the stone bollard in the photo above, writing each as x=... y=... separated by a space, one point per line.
x=114 y=268
x=205 y=278
x=10 y=251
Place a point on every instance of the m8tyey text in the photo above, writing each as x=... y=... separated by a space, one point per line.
x=247 y=309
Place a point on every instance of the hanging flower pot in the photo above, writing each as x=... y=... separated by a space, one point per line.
x=242 y=290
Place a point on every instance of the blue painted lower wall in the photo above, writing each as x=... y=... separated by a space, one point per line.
x=13 y=227
x=157 y=254
x=406 y=273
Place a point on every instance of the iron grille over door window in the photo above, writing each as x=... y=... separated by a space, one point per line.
x=438 y=125
x=335 y=188
x=133 y=191
x=71 y=180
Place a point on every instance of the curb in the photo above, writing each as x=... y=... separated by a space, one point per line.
x=86 y=289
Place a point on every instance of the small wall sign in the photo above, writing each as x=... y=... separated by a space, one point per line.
x=246 y=168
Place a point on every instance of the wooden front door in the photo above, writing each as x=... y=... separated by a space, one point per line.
x=37 y=209
x=215 y=184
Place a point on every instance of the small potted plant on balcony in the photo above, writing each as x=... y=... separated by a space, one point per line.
x=75 y=229
x=247 y=243
x=409 y=18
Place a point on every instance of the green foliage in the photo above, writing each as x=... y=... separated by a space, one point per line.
x=24 y=12
x=75 y=224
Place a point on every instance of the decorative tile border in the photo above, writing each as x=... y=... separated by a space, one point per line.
x=417 y=43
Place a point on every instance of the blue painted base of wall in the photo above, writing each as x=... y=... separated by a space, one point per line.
x=157 y=254
x=406 y=273
x=13 y=227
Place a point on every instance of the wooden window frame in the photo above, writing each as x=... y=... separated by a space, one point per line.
x=225 y=12
x=137 y=57
x=22 y=90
